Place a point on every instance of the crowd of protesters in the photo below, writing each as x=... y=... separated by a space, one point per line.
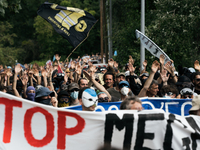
x=80 y=82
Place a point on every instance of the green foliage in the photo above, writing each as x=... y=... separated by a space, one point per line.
x=176 y=30
x=40 y=63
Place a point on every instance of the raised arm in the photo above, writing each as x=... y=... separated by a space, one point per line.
x=154 y=68
x=96 y=84
x=18 y=68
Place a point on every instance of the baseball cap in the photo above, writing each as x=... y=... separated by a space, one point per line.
x=123 y=83
x=73 y=85
x=43 y=91
x=186 y=91
x=120 y=74
x=195 y=103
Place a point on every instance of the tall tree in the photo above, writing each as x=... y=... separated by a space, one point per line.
x=175 y=29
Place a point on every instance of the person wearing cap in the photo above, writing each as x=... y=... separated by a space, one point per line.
x=195 y=110
x=196 y=82
x=73 y=90
x=187 y=93
x=184 y=82
x=88 y=99
x=45 y=96
x=124 y=89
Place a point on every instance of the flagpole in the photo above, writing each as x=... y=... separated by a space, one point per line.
x=142 y=50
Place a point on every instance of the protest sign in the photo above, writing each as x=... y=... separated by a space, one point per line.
x=27 y=125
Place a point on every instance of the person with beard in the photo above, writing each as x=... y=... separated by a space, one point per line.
x=196 y=82
x=45 y=96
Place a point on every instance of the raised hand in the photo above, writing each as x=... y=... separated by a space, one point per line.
x=131 y=60
x=162 y=59
x=144 y=63
x=24 y=80
x=155 y=66
x=30 y=73
x=36 y=73
x=131 y=68
x=169 y=67
x=44 y=73
x=196 y=65
x=93 y=68
x=111 y=62
x=78 y=69
x=115 y=64
x=72 y=64
x=164 y=76
x=18 y=68
x=57 y=57
x=54 y=101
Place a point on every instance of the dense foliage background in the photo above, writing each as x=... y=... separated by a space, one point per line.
x=172 y=25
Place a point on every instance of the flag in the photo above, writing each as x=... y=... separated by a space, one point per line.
x=151 y=46
x=72 y=23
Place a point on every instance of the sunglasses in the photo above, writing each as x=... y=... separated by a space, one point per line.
x=74 y=90
x=187 y=96
x=197 y=79
x=101 y=99
x=169 y=93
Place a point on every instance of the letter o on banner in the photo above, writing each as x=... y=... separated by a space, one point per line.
x=27 y=127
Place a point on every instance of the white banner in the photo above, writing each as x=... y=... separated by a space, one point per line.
x=151 y=46
x=26 y=125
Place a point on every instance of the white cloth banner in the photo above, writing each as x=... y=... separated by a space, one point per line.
x=26 y=125
x=151 y=46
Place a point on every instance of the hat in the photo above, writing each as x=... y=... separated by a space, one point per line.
x=73 y=85
x=123 y=83
x=195 y=103
x=63 y=92
x=127 y=73
x=43 y=91
x=120 y=74
x=64 y=87
x=186 y=91
x=192 y=70
x=29 y=88
x=182 y=79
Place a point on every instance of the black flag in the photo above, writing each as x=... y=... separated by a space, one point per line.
x=72 y=23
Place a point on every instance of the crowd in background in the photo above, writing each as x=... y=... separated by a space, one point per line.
x=83 y=82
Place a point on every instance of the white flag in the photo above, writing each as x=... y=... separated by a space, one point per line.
x=151 y=46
